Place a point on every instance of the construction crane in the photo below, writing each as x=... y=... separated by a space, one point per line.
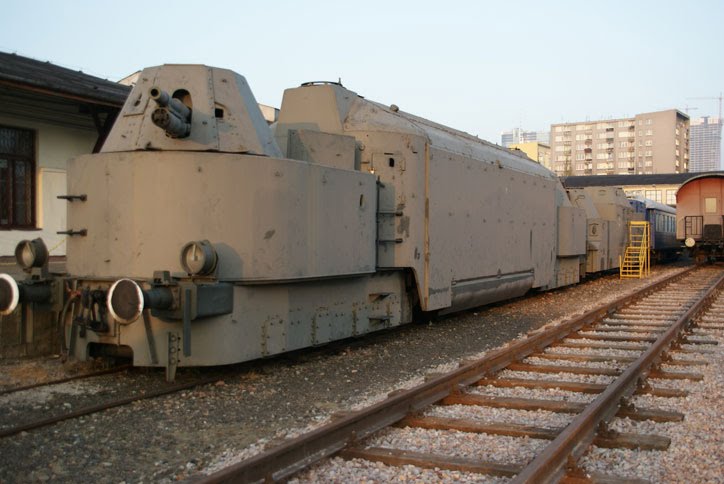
x=713 y=99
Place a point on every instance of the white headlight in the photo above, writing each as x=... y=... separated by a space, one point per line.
x=9 y=294
x=198 y=258
x=31 y=253
x=689 y=242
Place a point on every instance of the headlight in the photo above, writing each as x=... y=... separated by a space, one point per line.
x=198 y=258
x=9 y=294
x=31 y=253
x=125 y=301
x=689 y=242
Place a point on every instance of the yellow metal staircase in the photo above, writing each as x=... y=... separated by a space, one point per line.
x=636 y=263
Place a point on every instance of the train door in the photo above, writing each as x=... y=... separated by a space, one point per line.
x=712 y=210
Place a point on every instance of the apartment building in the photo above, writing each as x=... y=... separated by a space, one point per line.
x=518 y=135
x=536 y=151
x=647 y=143
x=705 y=144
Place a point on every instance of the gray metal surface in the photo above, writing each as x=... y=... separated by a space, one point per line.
x=225 y=116
x=270 y=219
x=467 y=209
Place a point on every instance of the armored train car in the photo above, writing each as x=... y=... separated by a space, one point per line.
x=198 y=236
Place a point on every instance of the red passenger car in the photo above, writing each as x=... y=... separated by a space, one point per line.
x=699 y=215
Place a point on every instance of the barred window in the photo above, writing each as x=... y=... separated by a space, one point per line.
x=17 y=178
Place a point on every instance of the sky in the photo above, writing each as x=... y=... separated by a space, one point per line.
x=479 y=66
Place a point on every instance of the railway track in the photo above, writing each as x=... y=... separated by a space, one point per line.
x=621 y=344
x=107 y=371
x=128 y=396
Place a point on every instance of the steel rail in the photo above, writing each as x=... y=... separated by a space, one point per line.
x=550 y=465
x=107 y=371
x=300 y=452
x=103 y=406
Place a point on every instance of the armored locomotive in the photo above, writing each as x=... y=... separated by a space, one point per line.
x=608 y=212
x=200 y=236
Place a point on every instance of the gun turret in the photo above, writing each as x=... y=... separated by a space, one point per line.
x=172 y=115
x=198 y=108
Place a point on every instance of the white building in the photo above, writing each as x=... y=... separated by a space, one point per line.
x=48 y=115
x=519 y=136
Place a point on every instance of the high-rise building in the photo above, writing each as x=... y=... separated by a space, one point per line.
x=517 y=136
x=705 y=144
x=648 y=143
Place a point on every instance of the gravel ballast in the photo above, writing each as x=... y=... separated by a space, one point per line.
x=259 y=403
x=696 y=453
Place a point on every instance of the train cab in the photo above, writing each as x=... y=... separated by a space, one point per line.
x=700 y=216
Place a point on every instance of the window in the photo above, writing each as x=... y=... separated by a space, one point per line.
x=17 y=178
x=649 y=121
x=671 y=197
x=559 y=138
x=649 y=132
x=654 y=195
x=710 y=205
x=649 y=142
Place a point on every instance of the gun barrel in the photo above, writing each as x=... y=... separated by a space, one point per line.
x=172 y=115
x=160 y=96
